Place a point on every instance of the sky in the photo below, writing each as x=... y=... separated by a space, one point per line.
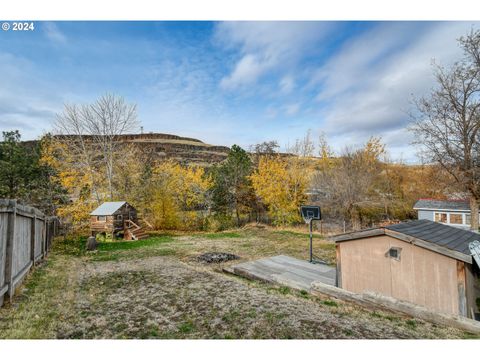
x=231 y=83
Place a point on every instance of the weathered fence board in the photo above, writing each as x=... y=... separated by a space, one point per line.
x=21 y=244
x=25 y=238
x=3 y=254
x=39 y=238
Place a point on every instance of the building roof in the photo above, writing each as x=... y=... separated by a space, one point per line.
x=444 y=239
x=433 y=204
x=108 y=208
x=447 y=236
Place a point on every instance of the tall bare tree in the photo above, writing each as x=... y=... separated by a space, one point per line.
x=96 y=129
x=471 y=46
x=347 y=184
x=447 y=121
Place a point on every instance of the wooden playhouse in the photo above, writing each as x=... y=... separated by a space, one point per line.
x=116 y=218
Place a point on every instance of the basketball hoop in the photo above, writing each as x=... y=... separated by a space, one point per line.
x=309 y=214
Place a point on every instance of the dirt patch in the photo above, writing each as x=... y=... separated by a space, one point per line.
x=216 y=257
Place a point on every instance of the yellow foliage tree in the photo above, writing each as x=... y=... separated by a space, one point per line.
x=281 y=184
x=326 y=160
x=75 y=178
x=177 y=195
x=372 y=152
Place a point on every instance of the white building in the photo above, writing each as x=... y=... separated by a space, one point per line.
x=450 y=212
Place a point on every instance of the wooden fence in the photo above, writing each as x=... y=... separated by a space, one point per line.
x=25 y=238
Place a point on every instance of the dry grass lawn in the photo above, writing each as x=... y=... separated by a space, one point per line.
x=155 y=288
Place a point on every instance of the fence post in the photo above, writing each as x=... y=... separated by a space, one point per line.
x=45 y=236
x=12 y=216
x=32 y=238
x=48 y=236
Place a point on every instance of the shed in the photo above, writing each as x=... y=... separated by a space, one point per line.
x=116 y=217
x=423 y=262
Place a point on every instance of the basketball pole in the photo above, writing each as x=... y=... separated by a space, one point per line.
x=311 y=241
x=310 y=213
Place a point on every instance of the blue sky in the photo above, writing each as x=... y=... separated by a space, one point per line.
x=231 y=82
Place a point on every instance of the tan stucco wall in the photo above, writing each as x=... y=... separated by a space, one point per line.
x=421 y=276
x=472 y=289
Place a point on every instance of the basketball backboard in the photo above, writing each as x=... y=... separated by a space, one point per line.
x=310 y=212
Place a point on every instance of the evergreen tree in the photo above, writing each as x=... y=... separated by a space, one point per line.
x=15 y=166
x=23 y=176
x=232 y=191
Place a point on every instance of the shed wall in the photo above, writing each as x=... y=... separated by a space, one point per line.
x=420 y=276
x=472 y=289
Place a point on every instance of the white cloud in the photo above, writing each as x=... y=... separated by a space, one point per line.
x=292 y=109
x=369 y=84
x=287 y=84
x=246 y=71
x=271 y=112
x=27 y=102
x=52 y=31
x=266 y=46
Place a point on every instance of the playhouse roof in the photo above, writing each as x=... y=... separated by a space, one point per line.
x=108 y=208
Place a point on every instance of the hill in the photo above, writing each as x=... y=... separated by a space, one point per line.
x=160 y=146
x=181 y=149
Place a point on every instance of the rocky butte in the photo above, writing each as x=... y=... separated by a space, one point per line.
x=158 y=146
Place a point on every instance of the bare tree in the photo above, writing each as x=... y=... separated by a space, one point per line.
x=265 y=148
x=300 y=163
x=348 y=184
x=447 y=122
x=70 y=130
x=107 y=119
x=324 y=149
x=304 y=147
x=96 y=129
x=471 y=46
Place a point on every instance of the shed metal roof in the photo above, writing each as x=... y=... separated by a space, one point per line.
x=444 y=239
x=459 y=205
x=108 y=208
x=444 y=235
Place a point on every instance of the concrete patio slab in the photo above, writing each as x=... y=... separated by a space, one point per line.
x=285 y=270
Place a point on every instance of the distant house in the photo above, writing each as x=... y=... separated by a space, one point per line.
x=421 y=261
x=116 y=217
x=449 y=212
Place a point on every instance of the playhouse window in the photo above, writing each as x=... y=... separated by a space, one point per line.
x=101 y=218
x=119 y=217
